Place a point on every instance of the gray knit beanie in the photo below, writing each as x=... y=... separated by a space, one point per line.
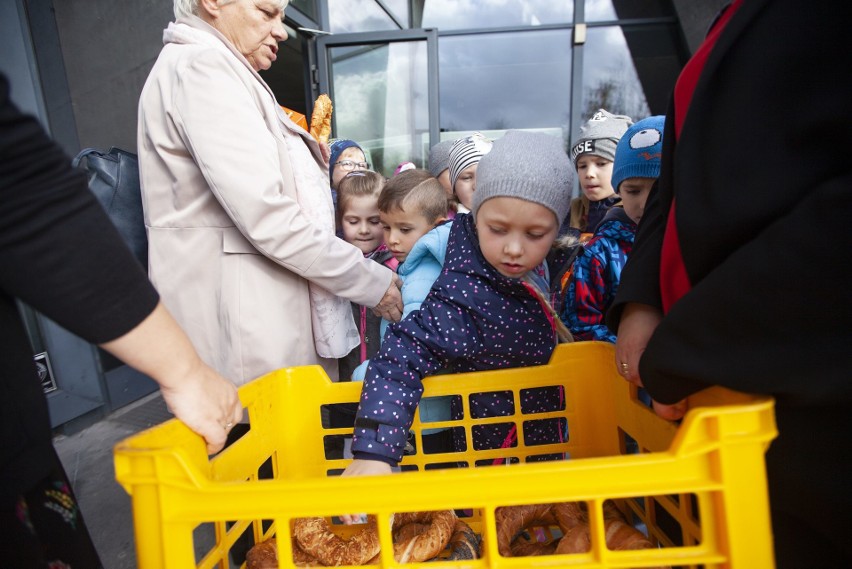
x=439 y=157
x=528 y=165
x=600 y=135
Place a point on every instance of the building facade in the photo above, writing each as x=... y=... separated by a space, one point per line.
x=403 y=74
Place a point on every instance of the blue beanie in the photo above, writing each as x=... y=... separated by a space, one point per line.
x=337 y=146
x=638 y=153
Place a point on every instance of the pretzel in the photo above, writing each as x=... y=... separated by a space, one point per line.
x=316 y=539
x=619 y=535
x=513 y=520
x=321 y=119
x=426 y=544
x=464 y=543
x=264 y=555
x=417 y=537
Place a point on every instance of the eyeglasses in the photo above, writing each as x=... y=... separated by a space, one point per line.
x=350 y=165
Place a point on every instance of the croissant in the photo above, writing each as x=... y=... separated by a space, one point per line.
x=321 y=119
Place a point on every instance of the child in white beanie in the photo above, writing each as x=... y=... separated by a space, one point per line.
x=465 y=155
x=593 y=154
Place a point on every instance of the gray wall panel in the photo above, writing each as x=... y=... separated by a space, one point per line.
x=109 y=48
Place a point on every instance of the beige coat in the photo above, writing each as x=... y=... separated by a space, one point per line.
x=230 y=249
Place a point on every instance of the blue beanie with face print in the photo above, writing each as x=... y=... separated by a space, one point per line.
x=337 y=146
x=639 y=151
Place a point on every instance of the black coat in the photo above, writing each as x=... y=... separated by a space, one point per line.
x=60 y=254
x=763 y=185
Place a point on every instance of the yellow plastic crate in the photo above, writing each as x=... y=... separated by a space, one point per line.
x=699 y=489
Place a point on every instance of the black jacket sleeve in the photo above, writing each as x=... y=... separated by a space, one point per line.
x=59 y=252
x=761 y=180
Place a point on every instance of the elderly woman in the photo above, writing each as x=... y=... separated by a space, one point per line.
x=239 y=217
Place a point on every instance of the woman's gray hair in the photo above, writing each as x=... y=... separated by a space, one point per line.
x=184 y=8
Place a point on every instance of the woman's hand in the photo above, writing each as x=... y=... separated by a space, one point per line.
x=197 y=395
x=390 y=307
x=207 y=403
x=634 y=332
x=326 y=152
x=638 y=323
x=671 y=412
x=363 y=468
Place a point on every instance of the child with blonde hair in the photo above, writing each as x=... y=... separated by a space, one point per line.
x=359 y=223
x=593 y=155
x=488 y=309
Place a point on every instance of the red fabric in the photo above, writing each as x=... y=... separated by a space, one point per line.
x=674 y=281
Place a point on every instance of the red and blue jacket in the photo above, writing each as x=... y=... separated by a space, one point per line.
x=596 y=274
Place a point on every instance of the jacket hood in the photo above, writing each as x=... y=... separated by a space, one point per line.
x=433 y=245
x=617 y=225
x=192 y=30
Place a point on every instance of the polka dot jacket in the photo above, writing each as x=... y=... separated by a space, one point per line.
x=473 y=319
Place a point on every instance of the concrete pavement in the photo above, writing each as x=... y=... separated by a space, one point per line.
x=88 y=460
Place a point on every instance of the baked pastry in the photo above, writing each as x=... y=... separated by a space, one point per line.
x=315 y=538
x=431 y=535
x=321 y=119
x=512 y=521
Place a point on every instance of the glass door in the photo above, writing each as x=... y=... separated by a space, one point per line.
x=384 y=87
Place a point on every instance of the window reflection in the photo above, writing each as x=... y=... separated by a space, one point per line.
x=461 y=14
x=381 y=101
x=605 y=10
x=306 y=7
x=610 y=80
x=399 y=8
x=358 y=16
x=506 y=80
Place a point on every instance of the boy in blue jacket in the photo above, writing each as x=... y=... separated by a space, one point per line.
x=487 y=309
x=597 y=268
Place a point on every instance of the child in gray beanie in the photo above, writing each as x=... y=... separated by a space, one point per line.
x=439 y=163
x=528 y=166
x=593 y=154
x=488 y=309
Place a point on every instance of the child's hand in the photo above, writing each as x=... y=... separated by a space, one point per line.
x=363 y=468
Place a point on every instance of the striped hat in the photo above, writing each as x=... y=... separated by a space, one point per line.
x=466 y=152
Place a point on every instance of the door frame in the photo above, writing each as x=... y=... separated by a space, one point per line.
x=430 y=35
